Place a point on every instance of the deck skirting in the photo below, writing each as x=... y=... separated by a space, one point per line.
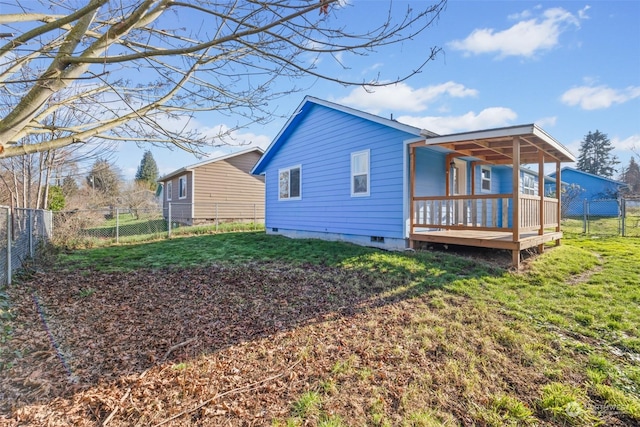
x=486 y=239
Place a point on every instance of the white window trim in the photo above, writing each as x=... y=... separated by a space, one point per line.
x=288 y=169
x=183 y=177
x=532 y=189
x=482 y=180
x=368 y=192
x=169 y=190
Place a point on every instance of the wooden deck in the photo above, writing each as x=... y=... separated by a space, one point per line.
x=488 y=239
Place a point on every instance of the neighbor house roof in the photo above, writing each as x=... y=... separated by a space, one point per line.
x=496 y=145
x=612 y=181
x=206 y=162
x=304 y=107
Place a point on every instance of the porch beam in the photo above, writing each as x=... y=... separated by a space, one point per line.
x=551 y=153
x=469 y=153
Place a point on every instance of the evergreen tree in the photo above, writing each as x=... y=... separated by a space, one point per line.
x=631 y=175
x=147 y=174
x=104 y=178
x=69 y=186
x=56 y=199
x=595 y=155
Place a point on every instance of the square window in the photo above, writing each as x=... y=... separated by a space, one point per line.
x=290 y=183
x=528 y=185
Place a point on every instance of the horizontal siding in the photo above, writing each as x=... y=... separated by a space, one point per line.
x=175 y=192
x=430 y=173
x=322 y=144
x=226 y=190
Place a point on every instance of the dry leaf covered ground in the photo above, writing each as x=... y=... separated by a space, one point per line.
x=268 y=343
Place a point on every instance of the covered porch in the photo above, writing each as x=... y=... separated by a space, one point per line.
x=473 y=209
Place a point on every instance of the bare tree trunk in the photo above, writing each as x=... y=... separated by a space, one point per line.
x=24 y=181
x=51 y=157
x=16 y=192
x=41 y=163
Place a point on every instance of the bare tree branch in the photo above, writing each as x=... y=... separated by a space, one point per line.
x=125 y=69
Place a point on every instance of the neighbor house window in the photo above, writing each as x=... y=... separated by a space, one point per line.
x=528 y=184
x=360 y=173
x=182 y=187
x=486 y=179
x=289 y=183
x=169 y=189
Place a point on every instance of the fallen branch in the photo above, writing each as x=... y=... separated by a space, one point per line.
x=177 y=346
x=248 y=387
x=113 y=413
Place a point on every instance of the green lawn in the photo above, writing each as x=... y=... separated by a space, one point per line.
x=436 y=339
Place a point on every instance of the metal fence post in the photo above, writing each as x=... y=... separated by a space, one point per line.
x=117 y=225
x=30 y=230
x=254 y=217
x=585 y=206
x=623 y=213
x=169 y=222
x=9 y=243
x=217 y=220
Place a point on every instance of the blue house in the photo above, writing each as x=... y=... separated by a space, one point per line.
x=597 y=194
x=337 y=173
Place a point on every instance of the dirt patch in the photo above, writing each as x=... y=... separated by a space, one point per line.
x=239 y=345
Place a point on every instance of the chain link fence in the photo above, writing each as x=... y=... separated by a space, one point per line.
x=87 y=225
x=602 y=217
x=23 y=232
x=87 y=228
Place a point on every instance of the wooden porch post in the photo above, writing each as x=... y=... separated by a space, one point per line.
x=447 y=186
x=516 y=200
x=412 y=191
x=559 y=196
x=473 y=178
x=541 y=194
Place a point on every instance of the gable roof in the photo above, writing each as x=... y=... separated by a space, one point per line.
x=206 y=162
x=567 y=168
x=303 y=109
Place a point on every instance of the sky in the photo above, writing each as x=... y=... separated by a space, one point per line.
x=569 y=66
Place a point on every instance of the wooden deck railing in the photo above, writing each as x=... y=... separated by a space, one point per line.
x=490 y=212
x=530 y=212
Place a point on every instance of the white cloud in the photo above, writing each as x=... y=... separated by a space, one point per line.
x=401 y=97
x=487 y=118
x=597 y=97
x=547 y=121
x=525 y=38
x=627 y=144
x=582 y=13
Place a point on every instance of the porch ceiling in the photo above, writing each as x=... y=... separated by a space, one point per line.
x=496 y=145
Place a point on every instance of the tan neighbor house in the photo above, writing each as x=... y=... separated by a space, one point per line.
x=217 y=190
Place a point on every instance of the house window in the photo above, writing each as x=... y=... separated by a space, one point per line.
x=289 y=180
x=360 y=173
x=486 y=179
x=169 y=189
x=528 y=185
x=182 y=187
